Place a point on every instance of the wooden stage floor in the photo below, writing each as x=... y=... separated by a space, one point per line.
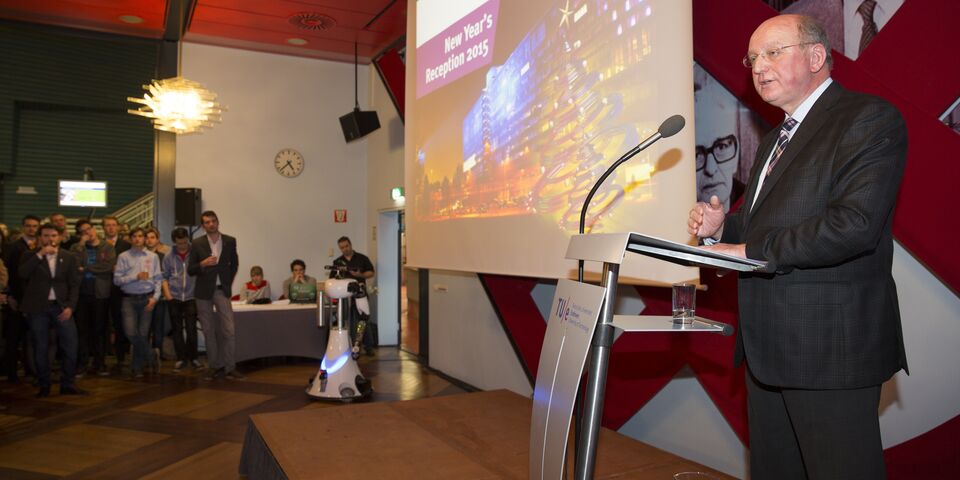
x=482 y=435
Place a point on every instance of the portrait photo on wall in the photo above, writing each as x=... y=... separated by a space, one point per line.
x=850 y=24
x=952 y=116
x=727 y=136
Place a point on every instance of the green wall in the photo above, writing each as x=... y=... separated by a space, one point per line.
x=63 y=103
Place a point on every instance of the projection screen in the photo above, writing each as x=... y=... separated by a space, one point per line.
x=515 y=108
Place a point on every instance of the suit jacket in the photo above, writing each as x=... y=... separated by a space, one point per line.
x=37 y=281
x=102 y=269
x=826 y=313
x=11 y=257
x=225 y=269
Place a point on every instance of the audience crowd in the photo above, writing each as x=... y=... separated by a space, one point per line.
x=72 y=299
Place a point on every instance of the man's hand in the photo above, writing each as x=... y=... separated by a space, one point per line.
x=143 y=276
x=209 y=261
x=706 y=219
x=48 y=250
x=735 y=250
x=150 y=304
x=167 y=296
x=65 y=314
x=12 y=302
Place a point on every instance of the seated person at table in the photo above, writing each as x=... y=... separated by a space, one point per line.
x=257 y=290
x=300 y=287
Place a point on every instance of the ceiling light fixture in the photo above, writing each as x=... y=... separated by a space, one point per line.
x=178 y=105
x=130 y=19
x=296 y=41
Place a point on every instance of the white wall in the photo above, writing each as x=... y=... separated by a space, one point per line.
x=276 y=102
x=467 y=341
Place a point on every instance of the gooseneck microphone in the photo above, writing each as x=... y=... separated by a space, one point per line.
x=668 y=128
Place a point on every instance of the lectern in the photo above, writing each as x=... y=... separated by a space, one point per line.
x=582 y=322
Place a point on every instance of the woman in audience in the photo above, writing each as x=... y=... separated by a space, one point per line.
x=257 y=290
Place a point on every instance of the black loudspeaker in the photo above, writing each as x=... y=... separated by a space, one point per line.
x=186 y=206
x=357 y=124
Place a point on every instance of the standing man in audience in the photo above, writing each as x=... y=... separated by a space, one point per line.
x=59 y=220
x=51 y=287
x=138 y=276
x=111 y=235
x=15 y=323
x=214 y=261
x=97 y=260
x=820 y=327
x=178 y=290
x=359 y=268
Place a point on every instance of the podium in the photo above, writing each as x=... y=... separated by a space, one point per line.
x=582 y=322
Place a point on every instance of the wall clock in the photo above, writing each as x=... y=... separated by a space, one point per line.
x=288 y=162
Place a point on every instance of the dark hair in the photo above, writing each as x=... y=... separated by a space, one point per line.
x=30 y=217
x=54 y=214
x=109 y=217
x=179 y=233
x=209 y=213
x=297 y=262
x=48 y=226
x=344 y=239
x=137 y=229
x=152 y=230
x=80 y=223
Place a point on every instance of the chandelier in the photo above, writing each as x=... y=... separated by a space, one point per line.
x=178 y=105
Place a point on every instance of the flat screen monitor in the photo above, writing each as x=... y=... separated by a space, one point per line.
x=76 y=193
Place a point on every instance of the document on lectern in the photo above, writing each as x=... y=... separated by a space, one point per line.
x=688 y=255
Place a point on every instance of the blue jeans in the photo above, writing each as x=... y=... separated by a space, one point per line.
x=136 y=326
x=40 y=325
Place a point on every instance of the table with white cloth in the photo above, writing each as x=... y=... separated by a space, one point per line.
x=278 y=329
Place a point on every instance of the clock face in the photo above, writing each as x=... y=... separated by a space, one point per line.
x=288 y=162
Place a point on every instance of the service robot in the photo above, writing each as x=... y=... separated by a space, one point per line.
x=339 y=377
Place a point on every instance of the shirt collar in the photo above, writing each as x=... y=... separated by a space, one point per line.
x=804 y=108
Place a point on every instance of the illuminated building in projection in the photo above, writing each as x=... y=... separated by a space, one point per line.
x=568 y=100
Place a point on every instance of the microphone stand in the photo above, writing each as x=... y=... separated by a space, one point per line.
x=668 y=128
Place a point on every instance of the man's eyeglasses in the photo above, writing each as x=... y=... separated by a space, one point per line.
x=723 y=150
x=772 y=55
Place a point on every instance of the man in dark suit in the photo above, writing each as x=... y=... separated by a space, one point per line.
x=820 y=330
x=112 y=237
x=15 y=323
x=51 y=288
x=214 y=261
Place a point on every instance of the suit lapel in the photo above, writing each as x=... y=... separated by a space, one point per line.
x=806 y=132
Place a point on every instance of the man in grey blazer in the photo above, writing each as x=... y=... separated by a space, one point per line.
x=214 y=262
x=820 y=330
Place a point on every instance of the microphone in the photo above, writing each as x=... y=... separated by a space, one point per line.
x=668 y=128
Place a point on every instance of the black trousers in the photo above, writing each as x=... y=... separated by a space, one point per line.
x=92 y=331
x=120 y=343
x=14 y=336
x=183 y=316
x=814 y=434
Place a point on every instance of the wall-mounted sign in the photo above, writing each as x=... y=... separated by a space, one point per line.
x=340 y=216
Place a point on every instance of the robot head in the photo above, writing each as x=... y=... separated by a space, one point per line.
x=340 y=287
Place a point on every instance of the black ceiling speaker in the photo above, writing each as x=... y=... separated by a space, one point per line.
x=357 y=124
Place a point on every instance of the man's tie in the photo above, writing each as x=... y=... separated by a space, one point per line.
x=869 y=26
x=782 y=140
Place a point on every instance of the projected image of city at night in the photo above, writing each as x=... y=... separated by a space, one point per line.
x=501 y=150
x=569 y=99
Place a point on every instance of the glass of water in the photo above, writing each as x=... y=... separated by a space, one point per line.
x=684 y=301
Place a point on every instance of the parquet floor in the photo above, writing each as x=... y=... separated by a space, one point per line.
x=170 y=425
